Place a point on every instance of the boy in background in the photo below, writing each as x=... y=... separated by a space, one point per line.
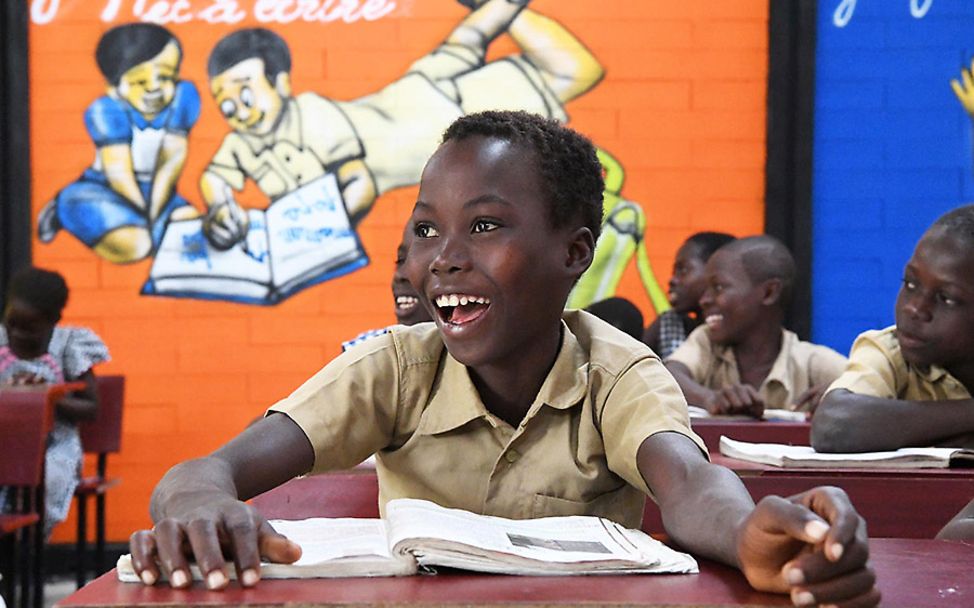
x=743 y=360
x=910 y=384
x=507 y=405
x=121 y=204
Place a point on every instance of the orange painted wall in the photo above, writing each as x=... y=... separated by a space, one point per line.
x=682 y=107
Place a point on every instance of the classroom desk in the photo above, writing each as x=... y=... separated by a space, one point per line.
x=754 y=431
x=911 y=574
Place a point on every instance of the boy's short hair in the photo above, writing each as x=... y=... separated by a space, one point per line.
x=709 y=242
x=958 y=223
x=44 y=290
x=250 y=43
x=765 y=257
x=125 y=46
x=571 y=173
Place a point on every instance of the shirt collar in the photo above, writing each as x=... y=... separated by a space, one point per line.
x=779 y=369
x=455 y=400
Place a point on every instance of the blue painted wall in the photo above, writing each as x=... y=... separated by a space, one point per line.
x=892 y=150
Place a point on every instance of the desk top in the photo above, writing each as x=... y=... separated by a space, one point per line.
x=755 y=431
x=912 y=573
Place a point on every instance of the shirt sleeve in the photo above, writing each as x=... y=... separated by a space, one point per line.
x=348 y=409
x=82 y=351
x=695 y=353
x=108 y=123
x=185 y=108
x=871 y=370
x=825 y=365
x=644 y=401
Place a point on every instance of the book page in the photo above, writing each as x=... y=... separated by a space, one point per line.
x=778 y=415
x=310 y=235
x=186 y=264
x=452 y=537
x=804 y=456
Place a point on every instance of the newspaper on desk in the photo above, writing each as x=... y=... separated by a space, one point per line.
x=418 y=533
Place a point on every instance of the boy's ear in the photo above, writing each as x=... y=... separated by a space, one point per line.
x=282 y=82
x=771 y=292
x=581 y=250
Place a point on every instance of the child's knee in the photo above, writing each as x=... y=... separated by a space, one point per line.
x=124 y=245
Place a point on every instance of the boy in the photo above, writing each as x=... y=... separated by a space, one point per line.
x=120 y=206
x=380 y=141
x=501 y=407
x=742 y=360
x=910 y=384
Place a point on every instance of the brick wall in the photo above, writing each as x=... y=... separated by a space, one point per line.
x=682 y=107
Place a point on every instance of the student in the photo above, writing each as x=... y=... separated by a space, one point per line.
x=409 y=310
x=961 y=527
x=380 y=141
x=670 y=329
x=619 y=313
x=507 y=405
x=910 y=384
x=743 y=360
x=119 y=207
x=34 y=349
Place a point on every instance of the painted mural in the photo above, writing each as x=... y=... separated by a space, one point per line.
x=892 y=151
x=320 y=163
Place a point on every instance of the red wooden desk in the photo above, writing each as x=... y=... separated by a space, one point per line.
x=755 y=431
x=911 y=574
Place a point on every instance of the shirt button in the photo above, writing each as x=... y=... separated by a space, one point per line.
x=511 y=456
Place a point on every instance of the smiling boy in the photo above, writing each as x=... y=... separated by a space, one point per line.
x=743 y=360
x=911 y=384
x=504 y=406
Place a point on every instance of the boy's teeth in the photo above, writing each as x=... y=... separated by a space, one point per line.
x=713 y=319
x=455 y=299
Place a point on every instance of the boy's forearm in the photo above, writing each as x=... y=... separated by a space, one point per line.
x=695 y=393
x=851 y=422
x=702 y=505
x=172 y=158
x=484 y=24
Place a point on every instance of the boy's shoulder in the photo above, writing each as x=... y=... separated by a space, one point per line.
x=603 y=345
x=882 y=339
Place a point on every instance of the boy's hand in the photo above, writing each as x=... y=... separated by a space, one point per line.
x=808 y=401
x=964 y=88
x=735 y=400
x=211 y=529
x=225 y=225
x=812 y=545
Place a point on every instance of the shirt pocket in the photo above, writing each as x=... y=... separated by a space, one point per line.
x=621 y=505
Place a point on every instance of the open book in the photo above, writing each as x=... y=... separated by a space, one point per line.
x=777 y=415
x=797 y=456
x=420 y=534
x=300 y=240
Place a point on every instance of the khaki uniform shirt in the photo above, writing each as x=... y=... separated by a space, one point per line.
x=404 y=397
x=798 y=367
x=877 y=368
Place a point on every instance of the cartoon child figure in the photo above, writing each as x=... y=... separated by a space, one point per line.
x=381 y=141
x=120 y=205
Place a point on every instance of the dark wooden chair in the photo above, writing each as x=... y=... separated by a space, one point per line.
x=26 y=416
x=101 y=436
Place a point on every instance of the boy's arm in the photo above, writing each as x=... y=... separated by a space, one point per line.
x=172 y=158
x=852 y=422
x=736 y=399
x=116 y=159
x=83 y=404
x=225 y=223
x=358 y=188
x=961 y=527
x=199 y=514
x=813 y=543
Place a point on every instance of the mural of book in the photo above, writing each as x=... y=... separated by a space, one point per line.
x=300 y=240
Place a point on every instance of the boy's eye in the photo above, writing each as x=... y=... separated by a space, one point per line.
x=484 y=226
x=228 y=108
x=909 y=284
x=947 y=300
x=247 y=97
x=425 y=231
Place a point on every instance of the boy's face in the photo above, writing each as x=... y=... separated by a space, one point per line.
x=150 y=86
x=484 y=256
x=731 y=302
x=935 y=306
x=688 y=280
x=28 y=331
x=409 y=310
x=248 y=101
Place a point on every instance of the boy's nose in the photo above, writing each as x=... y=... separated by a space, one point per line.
x=451 y=257
x=919 y=307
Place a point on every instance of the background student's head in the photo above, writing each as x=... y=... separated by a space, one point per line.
x=620 y=313
x=250 y=79
x=689 y=280
x=749 y=284
x=508 y=211
x=140 y=63
x=409 y=309
x=935 y=306
x=35 y=300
